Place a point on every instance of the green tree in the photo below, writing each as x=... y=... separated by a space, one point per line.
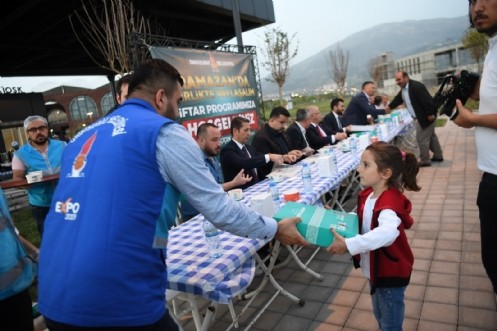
x=477 y=45
x=278 y=52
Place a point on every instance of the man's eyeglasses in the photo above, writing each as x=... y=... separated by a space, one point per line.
x=40 y=128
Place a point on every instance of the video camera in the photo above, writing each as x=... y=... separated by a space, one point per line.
x=452 y=88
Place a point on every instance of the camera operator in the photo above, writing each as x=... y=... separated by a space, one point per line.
x=483 y=16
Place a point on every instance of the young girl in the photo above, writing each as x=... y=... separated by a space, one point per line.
x=381 y=249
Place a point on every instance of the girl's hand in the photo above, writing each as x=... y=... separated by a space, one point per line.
x=338 y=246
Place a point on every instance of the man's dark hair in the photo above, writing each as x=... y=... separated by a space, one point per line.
x=123 y=80
x=334 y=102
x=202 y=129
x=366 y=83
x=237 y=123
x=277 y=111
x=302 y=115
x=153 y=75
x=377 y=100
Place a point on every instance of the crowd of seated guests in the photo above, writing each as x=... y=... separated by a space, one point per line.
x=242 y=164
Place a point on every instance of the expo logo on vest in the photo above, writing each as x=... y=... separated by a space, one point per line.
x=68 y=208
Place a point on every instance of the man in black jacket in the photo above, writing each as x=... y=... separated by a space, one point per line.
x=238 y=154
x=296 y=133
x=332 y=122
x=361 y=106
x=270 y=139
x=419 y=103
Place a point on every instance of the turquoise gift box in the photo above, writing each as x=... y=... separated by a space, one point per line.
x=317 y=221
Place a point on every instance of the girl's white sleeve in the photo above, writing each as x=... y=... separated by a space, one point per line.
x=382 y=236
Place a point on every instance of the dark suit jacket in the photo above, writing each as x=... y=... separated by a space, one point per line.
x=358 y=109
x=267 y=140
x=233 y=160
x=330 y=125
x=421 y=101
x=296 y=139
x=314 y=138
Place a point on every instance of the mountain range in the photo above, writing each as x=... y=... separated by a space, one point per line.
x=400 y=38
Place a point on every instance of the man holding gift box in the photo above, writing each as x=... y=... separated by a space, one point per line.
x=98 y=268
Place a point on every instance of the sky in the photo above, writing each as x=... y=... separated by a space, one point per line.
x=315 y=23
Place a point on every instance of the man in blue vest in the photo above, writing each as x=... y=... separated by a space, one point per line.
x=40 y=153
x=98 y=268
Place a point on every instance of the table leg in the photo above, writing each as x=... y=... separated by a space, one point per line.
x=268 y=276
x=293 y=253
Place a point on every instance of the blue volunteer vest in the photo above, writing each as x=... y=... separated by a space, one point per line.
x=41 y=194
x=98 y=266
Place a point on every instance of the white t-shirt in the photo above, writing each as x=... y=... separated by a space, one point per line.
x=486 y=138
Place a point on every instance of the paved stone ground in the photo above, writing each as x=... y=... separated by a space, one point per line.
x=449 y=289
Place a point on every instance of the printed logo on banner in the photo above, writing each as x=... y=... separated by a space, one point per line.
x=217 y=87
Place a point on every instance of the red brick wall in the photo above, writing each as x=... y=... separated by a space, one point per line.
x=64 y=95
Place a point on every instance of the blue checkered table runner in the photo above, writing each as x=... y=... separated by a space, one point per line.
x=191 y=269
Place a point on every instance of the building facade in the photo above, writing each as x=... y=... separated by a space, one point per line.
x=69 y=109
x=429 y=67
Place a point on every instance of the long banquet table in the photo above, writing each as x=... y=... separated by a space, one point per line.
x=192 y=271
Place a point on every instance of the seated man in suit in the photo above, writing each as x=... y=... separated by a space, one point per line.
x=270 y=139
x=361 y=106
x=238 y=155
x=316 y=136
x=296 y=132
x=332 y=122
x=209 y=141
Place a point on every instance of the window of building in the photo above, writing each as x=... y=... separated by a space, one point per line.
x=82 y=107
x=107 y=103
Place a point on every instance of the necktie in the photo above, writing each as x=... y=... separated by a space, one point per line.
x=320 y=131
x=339 y=122
x=253 y=172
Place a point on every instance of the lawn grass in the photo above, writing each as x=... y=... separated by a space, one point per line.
x=26 y=225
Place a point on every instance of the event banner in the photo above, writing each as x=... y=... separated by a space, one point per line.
x=217 y=87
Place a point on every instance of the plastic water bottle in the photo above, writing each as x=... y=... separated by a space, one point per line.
x=306 y=177
x=353 y=145
x=333 y=155
x=274 y=193
x=213 y=237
